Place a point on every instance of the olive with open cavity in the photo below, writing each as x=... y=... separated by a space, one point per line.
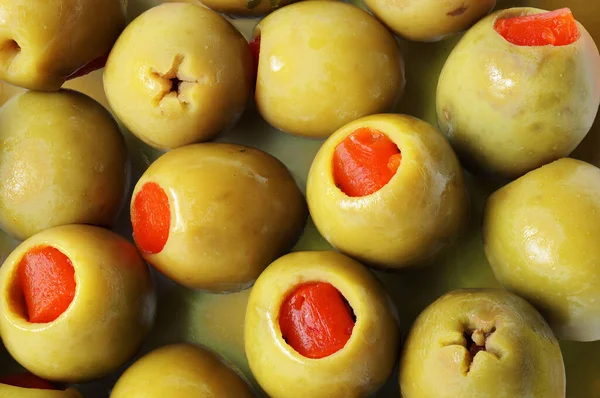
x=319 y=324
x=27 y=385
x=520 y=90
x=43 y=43
x=388 y=190
x=179 y=74
x=317 y=73
x=212 y=216
x=63 y=161
x=76 y=301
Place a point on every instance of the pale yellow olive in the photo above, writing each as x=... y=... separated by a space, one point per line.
x=476 y=343
x=7 y=391
x=232 y=210
x=63 y=161
x=359 y=368
x=182 y=371
x=179 y=74
x=43 y=42
x=429 y=20
x=541 y=236
x=421 y=210
x=246 y=7
x=111 y=312
x=509 y=109
x=317 y=73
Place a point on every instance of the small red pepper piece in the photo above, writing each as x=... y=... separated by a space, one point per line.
x=26 y=380
x=151 y=218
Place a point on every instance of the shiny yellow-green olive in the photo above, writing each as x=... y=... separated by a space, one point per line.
x=63 y=160
x=43 y=42
x=541 y=236
x=181 y=371
x=111 y=312
x=359 y=368
x=317 y=73
x=246 y=7
x=429 y=20
x=509 y=109
x=232 y=210
x=475 y=343
x=179 y=74
x=7 y=391
x=418 y=212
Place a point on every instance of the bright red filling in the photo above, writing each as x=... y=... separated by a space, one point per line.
x=556 y=28
x=255 y=49
x=26 y=380
x=364 y=162
x=151 y=218
x=315 y=320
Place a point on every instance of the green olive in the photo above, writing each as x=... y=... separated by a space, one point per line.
x=421 y=210
x=111 y=312
x=63 y=161
x=182 y=371
x=246 y=7
x=231 y=211
x=509 y=109
x=475 y=343
x=179 y=74
x=429 y=20
x=541 y=237
x=359 y=368
x=307 y=50
x=43 y=42
x=7 y=391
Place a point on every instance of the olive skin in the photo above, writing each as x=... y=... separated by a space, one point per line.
x=421 y=210
x=541 y=233
x=234 y=209
x=63 y=160
x=207 y=58
x=307 y=49
x=182 y=371
x=357 y=370
x=509 y=109
x=246 y=7
x=429 y=20
x=42 y=43
x=111 y=313
x=7 y=391
x=521 y=357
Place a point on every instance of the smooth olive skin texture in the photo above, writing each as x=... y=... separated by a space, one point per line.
x=429 y=20
x=357 y=370
x=509 y=109
x=315 y=73
x=541 y=238
x=246 y=7
x=111 y=313
x=7 y=391
x=421 y=210
x=522 y=358
x=43 y=42
x=63 y=161
x=234 y=209
x=182 y=371
x=189 y=42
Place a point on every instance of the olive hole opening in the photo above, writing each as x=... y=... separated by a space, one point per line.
x=8 y=51
x=476 y=340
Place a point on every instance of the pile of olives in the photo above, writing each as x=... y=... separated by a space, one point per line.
x=388 y=193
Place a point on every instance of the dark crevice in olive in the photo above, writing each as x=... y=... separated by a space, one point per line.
x=8 y=51
x=175 y=82
x=458 y=12
x=475 y=345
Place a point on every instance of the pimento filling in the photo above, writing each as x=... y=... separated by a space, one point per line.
x=47 y=280
x=316 y=320
x=151 y=218
x=555 y=28
x=27 y=380
x=364 y=162
x=255 y=49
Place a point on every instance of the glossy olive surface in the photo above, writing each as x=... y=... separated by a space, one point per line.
x=519 y=357
x=308 y=49
x=43 y=42
x=7 y=391
x=509 y=109
x=234 y=210
x=111 y=313
x=182 y=371
x=421 y=210
x=429 y=20
x=63 y=160
x=246 y=7
x=179 y=74
x=541 y=238
x=359 y=368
